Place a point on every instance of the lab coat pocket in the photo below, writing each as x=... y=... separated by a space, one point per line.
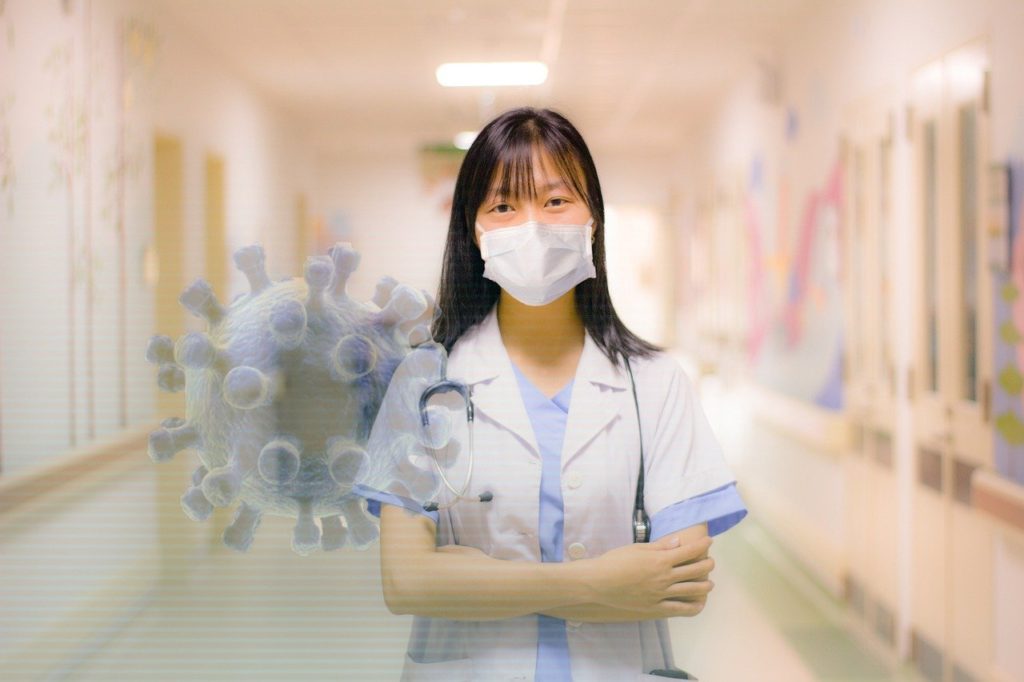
x=457 y=670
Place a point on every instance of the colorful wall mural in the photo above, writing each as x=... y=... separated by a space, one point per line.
x=796 y=335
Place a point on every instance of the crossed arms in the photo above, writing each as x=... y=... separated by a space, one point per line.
x=666 y=578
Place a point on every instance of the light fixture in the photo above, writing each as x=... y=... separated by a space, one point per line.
x=463 y=74
x=464 y=139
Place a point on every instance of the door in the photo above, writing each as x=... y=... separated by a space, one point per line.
x=951 y=375
x=872 y=515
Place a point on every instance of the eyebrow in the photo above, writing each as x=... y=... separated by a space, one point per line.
x=546 y=188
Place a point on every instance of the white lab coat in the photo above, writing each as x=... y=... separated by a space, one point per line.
x=600 y=462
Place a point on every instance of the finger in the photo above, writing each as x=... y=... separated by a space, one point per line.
x=673 y=607
x=699 y=546
x=698 y=570
x=689 y=590
x=666 y=542
x=693 y=551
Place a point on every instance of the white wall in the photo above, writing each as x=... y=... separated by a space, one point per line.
x=89 y=87
x=389 y=216
x=848 y=51
x=86 y=88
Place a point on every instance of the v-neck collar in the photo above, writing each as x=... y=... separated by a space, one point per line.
x=557 y=398
x=479 y=359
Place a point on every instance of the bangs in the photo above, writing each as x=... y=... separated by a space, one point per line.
x=513 y=172
x=502 y=159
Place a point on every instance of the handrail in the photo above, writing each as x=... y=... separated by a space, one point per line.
x=823 y=430
x=16 y=489
x=998 y=496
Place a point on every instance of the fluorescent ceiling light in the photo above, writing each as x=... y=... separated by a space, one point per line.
x=462 y=74
x=464 y=139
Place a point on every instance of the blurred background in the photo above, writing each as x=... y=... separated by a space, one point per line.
x=816 y=205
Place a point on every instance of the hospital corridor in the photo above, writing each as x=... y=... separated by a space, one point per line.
x=234 y=232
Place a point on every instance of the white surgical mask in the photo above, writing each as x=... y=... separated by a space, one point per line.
x=536 y=262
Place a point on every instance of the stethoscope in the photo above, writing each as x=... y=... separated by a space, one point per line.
x=641 y=523
x=444 y=385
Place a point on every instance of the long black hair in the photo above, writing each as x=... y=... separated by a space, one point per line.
x=508 y=145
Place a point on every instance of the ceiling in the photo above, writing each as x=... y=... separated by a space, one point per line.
x=630 y=73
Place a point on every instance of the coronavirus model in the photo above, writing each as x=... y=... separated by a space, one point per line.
x=281 y=394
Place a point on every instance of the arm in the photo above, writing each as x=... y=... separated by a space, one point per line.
x=599 y=613
x=418 y=579
x=463 y=583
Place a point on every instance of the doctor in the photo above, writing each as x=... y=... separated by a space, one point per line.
x=543 y=580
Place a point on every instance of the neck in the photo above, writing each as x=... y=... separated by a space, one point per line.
x=544 y=333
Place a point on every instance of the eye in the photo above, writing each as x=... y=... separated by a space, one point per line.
x=558 y=201
x=501 y=208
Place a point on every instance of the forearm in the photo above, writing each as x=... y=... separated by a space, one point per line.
x=478 y=587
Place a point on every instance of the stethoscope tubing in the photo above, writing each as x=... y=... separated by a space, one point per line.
x=460 y=495
x=444 y=385
x=640 y=521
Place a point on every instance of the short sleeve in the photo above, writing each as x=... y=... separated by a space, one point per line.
x=399 y=466
x=374 y=498
x=721 y=508
x=682 y=458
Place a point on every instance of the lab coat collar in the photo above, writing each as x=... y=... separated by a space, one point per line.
x=490 y=359
x=487 y=369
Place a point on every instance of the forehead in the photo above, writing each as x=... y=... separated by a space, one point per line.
x=528 y=175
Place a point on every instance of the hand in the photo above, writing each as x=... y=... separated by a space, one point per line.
x=659 y=577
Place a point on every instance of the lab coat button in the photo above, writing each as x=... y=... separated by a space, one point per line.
x=577 y=550
x=575 y=480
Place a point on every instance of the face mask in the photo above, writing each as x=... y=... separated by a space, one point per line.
x=536 y=262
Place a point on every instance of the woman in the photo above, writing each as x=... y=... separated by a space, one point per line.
x=530 y=328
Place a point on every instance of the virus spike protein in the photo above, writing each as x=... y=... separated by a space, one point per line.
x=281 y=393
